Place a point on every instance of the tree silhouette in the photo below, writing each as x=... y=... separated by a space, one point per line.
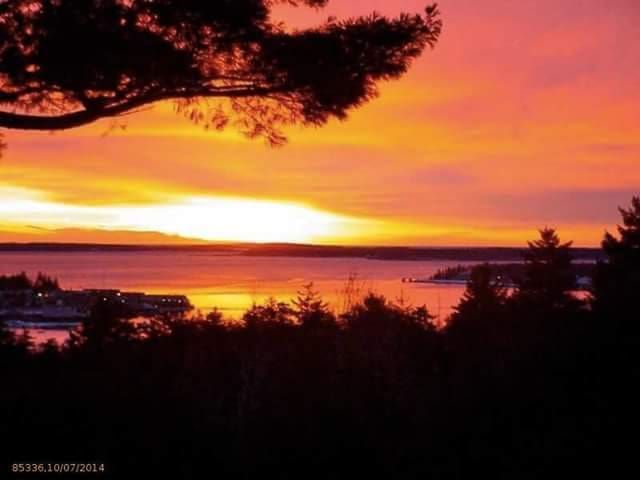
x=19 y=281
x=66 y=63
x=45 y=283
x=108 y=323
x=479 y=325
x=310 y=310
x=271 y=313
x=617 y=280
x=549 y=277
x=483 y=299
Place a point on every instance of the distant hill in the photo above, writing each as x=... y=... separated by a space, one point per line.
x=470 y=254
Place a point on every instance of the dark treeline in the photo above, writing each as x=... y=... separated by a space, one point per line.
x=21 y=281
x=463 y=254
x=535 y=383
x=466 y=254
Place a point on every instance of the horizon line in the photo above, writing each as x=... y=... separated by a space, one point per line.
x=264 y=244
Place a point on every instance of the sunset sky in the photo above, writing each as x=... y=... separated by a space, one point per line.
x=524 y=116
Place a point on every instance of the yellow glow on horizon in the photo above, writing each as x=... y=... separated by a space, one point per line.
x=29 y=215
x=233 y=219
x=208 y=218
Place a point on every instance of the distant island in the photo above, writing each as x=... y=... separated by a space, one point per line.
x=464 y=254
x=505 y=274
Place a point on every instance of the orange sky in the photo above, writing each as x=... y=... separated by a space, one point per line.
x=524 y=116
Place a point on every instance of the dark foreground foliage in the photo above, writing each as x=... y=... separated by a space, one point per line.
x=529 y=384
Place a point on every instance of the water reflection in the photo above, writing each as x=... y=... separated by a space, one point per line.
x=233 y=283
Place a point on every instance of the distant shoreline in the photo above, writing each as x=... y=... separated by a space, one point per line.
x=471 y=254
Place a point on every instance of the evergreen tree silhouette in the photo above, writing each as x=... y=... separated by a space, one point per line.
x=549 y=278
x=65 y=64
x=483 y=301
x=108 y=323
x=483 y=295
x=310 y=310
x=616 y=283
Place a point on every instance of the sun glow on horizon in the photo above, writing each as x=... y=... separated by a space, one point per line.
x=234 y=219
x=209 y=218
